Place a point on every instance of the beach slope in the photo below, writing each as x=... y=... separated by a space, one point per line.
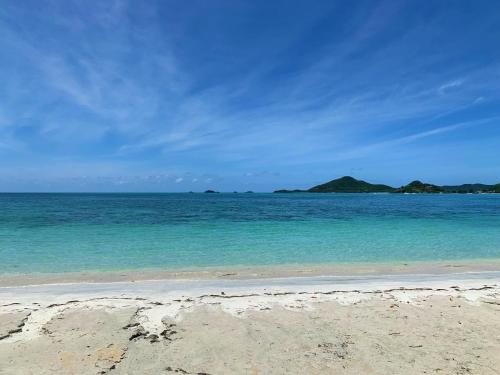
x=385 y=324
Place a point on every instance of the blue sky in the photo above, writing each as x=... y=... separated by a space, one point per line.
x=246 y=95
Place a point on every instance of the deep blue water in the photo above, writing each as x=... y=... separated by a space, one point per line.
x=75 y=232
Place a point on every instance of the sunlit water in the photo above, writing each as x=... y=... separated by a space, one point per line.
x=75 y=232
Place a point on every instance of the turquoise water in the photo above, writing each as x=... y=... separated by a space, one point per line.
x=76 y=232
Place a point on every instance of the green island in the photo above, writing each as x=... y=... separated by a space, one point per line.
x=348 y=184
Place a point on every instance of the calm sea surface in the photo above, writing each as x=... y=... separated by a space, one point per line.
x=75 y=232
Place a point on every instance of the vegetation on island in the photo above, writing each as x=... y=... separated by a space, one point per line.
x=290 y=191
x=471 y=188
x=419 y=187
x=348 y=184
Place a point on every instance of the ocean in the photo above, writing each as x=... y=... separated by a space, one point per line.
x=100 y=232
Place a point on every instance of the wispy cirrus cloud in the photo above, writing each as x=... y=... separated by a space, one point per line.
x=450 y=85
x=175 y=87
x=369 y=149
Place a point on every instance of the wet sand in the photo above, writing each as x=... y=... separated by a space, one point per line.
x=254 y=272
x=363 y=323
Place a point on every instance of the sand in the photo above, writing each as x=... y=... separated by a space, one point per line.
x=434 y=323
x=255 y=272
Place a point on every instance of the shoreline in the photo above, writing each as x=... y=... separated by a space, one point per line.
x=409 y=284
x=174 y=298
x=252 y=272
x=444 y=320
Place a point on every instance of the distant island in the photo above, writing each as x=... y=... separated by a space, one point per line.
x=348 y=184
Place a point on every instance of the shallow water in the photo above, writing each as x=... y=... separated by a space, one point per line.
x=76 y=232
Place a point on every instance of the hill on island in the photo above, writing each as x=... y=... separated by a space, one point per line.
x=420 y=187
x=471 y=188
x=348 y=184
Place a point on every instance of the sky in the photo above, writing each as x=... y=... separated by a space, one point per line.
x=247 y=95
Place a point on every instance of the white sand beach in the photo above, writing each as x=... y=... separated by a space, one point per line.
x=414 y=323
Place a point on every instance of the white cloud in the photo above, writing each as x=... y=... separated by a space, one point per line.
x=151 y=101
x=377 y=147
x=450 y=85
